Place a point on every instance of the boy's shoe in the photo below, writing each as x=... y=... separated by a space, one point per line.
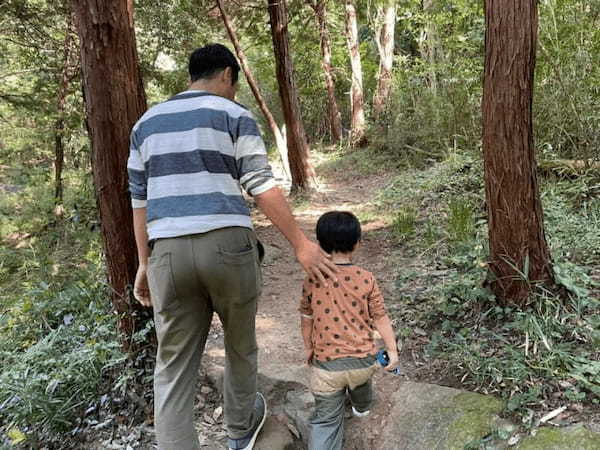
x=247 y=442
x=360 y=413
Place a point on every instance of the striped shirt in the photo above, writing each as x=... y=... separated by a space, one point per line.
x=188 y=160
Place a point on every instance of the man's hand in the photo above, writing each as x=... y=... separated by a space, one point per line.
x=308 y=355
x=315 y=261
x=140 y=288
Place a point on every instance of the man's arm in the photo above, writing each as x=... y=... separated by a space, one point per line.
x=140 y=289
x=313 y=260
x=141 y=235
x=256 y=178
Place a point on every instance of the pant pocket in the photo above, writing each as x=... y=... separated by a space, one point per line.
x=162 y=283
x=241 y=267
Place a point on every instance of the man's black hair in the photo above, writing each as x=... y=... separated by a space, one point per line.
x=338 y=231
x=207 y=61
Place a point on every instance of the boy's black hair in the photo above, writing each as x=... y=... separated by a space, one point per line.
x=338 y=231
x=206 y=61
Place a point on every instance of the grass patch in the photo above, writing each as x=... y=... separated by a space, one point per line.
x=405 y=223
x=345 y=162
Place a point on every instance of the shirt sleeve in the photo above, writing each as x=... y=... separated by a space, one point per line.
x=306 y=302
x=137 y=174
x=376 y=304
x=254 y=171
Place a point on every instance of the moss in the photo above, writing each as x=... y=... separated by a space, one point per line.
x=562 y=439
x=476 y=417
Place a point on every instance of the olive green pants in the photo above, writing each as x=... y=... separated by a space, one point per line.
x=190 y=277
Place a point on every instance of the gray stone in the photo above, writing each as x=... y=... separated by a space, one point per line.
x=576 y=437
x=274 y=436
x=298 y=407
x=427 y=417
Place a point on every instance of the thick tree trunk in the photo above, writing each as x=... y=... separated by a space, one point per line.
x=335 y=118
x=298 y=151
x=279 y=140
x=115 y=99
x=519 y=255
x=69 y=49
x=358 y=127
x=386 y=14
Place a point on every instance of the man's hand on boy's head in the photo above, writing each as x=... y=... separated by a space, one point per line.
x=316 y=262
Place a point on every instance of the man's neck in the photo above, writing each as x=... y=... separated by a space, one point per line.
x=206 y=86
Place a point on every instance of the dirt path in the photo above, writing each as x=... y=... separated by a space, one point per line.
x=278 y=322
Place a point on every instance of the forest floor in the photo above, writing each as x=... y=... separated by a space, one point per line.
x=403 y=271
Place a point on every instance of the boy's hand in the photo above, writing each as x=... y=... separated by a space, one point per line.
x=394 y=361
x=308 y=355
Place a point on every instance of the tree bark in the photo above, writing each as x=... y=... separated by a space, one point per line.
x=519 y=254
x=279 y=140
x=298 y=151
x=358 y=127
x=386 y=14
x=115 y=99
x=335 y=118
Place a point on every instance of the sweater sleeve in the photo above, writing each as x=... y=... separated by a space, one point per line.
x=375 y=301
x=254 y=171
x=137 y=174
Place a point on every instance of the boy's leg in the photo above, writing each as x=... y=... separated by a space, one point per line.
x=235 y=286
x=327 y=421
x=361 y=388
x=182 y=316
x=362 y=397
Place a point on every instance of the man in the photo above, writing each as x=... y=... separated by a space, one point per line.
x=189 y=157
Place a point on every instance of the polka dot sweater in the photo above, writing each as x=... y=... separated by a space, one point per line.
x=342 y=313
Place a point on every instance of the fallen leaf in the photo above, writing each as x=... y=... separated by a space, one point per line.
x=217 y=413
x=16 y=436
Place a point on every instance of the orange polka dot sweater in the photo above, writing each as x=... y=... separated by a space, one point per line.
x=342 y=313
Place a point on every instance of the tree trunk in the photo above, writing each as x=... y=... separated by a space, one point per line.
x=279 y=141
x=335 y=118
x=519 y=254
x=115 y=99
x=298 y=151
x=59 y=124
x=429 y=44
x=358 y=126
x=385 y=43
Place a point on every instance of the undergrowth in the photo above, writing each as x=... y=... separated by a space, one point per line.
x=60 y=356
x=534 y=358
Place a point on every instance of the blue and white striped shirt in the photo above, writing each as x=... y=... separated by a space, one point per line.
x=189 y=158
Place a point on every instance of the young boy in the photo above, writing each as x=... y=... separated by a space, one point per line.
x=337 y=321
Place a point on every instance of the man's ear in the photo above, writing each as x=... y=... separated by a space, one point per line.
x=226 y=75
